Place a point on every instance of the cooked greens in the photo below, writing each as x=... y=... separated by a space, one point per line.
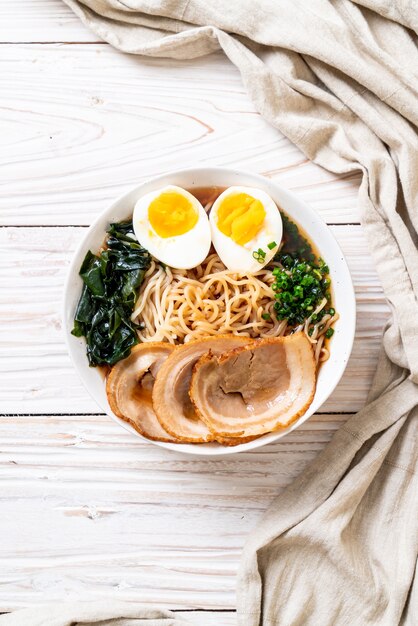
x=111 y=281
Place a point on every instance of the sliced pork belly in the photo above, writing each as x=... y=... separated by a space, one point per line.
x=256 y=388
x=129 y=389
x=170 y=395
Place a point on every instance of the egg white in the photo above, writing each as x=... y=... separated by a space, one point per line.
x=239 y=258
x=180 y=251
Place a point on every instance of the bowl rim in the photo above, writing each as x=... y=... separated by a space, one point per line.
x=213 y=449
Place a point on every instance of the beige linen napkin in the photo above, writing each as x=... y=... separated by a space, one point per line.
x=340 y=79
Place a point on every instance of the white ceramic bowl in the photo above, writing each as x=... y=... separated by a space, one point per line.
x=343 y=292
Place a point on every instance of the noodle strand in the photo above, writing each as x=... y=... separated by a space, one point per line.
x=181 y=305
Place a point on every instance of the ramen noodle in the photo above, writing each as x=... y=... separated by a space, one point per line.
x=181 y=305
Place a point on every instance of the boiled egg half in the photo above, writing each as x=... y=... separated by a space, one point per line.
x=246 y=228
x=173 y=226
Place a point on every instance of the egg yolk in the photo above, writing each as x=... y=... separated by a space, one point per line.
x=171 y=214
x=241 y=217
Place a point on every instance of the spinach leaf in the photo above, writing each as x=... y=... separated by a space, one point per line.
x=111 y=282
x=132 y=281
x=85 y=306
x=122 y=230
x=91 y=274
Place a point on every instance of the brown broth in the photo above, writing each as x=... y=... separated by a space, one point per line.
x=104 y=370
x=206 y=195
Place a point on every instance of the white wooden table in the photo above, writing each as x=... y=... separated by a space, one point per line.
x=87 y=510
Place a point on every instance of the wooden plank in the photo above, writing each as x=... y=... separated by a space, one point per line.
x=189 y=617
x=83 y=124
x=37 y=374
x=216 y=618
x=41 y=21
x=91 y=512
x=192 y=617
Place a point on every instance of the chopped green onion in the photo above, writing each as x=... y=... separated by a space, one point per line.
x=298 y=291
x=323 y=266
x=329 y=333
x=307 y=280
x=272 y=245
x=259 y=255
x=266 y=316
x=300 y=281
